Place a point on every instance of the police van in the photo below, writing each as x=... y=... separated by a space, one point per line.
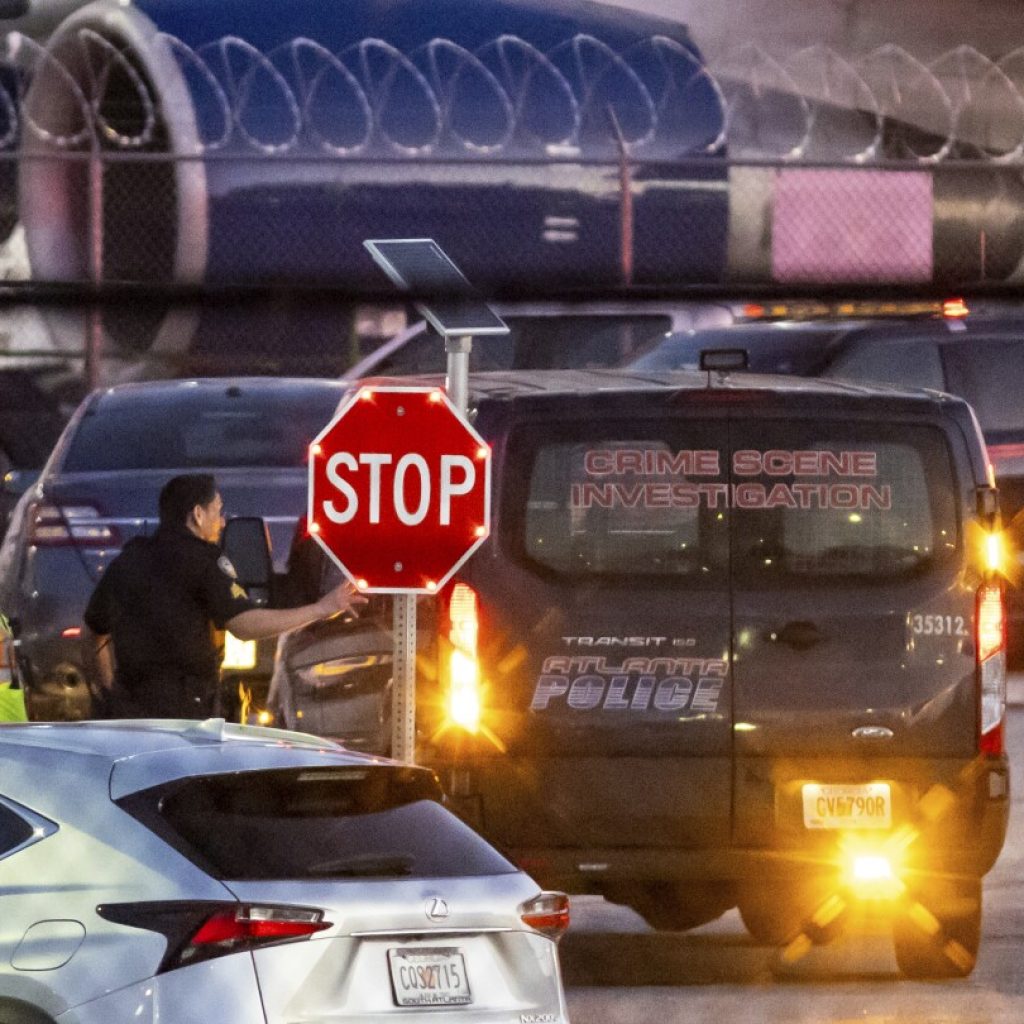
x=734 y=640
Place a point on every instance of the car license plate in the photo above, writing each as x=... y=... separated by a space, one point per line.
x=429 y=977
x=864 y=806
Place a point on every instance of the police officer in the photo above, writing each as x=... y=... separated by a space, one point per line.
x=161 y=601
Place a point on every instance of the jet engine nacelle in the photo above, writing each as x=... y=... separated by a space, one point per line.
x=247 y=141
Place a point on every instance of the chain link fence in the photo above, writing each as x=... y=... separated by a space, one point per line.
x=586 y=166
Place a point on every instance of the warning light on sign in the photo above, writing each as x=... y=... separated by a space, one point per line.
x=480 y=531
x=482 y=452
x=366 y=394
x=315 y=449
x=314 y=527
x=362 y=584
x=436 y=396
x=431 y=585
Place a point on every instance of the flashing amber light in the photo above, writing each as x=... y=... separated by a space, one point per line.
x=954 y=309
x=872 y=868
x=464 y=704
x=754 y=310
x=995 y=552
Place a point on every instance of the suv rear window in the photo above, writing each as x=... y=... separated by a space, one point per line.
x=309 y=823
x=789 y=499
x=197 y=428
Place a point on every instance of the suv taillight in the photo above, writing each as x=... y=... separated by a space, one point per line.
x=70 y=525
x=990 y=640
x=463 y=668
x=547 y=913
x=202 y=931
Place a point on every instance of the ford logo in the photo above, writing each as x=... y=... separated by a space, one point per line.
x=873 y=732
x=437 y=909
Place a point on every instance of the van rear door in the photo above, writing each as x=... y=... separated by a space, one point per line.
x=853 y=609
x=604 y=627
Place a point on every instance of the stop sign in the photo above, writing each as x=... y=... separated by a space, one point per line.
x=399 y=489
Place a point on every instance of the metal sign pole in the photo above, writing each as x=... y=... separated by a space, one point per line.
x=403 y=694
x=421 y=265
x=458 y=350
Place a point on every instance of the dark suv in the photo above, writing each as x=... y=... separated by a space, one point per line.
x=978 y=356
x=100 y=486
x=736 y=641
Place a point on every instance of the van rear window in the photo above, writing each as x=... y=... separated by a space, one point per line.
x=780 y=499
x=309 y=823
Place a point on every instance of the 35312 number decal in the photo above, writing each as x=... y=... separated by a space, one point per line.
x=938 y=625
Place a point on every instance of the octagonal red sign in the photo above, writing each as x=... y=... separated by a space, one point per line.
x=399 y=489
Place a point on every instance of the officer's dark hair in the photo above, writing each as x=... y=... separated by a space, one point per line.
x=182 y=493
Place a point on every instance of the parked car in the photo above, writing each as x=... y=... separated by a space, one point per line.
x=729 y=635
x=549 y=335
x=185 y=871
x=100 y=487
x=977 y=356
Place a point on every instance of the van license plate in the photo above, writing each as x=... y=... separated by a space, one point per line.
x=432 y=976
x=865 y=806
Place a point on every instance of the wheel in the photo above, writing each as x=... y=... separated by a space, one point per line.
x=64 y=696
x=778 y=914
x=938 y=933
x=675 y=906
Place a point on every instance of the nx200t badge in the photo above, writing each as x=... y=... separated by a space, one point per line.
x=437 y=909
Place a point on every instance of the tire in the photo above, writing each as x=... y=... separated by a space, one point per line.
x=939 y=932
x=777 y=915
x=675 y=906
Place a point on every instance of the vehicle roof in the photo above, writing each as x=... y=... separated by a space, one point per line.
x=513 y=384
x=156 y=389
x=683 y=312
x=115 y=740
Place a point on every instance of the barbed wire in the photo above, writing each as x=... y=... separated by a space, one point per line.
x=508 y=98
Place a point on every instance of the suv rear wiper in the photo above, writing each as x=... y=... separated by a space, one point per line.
x=396 y=866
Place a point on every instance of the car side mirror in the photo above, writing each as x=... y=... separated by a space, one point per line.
x=16 y=481
x=246 y=542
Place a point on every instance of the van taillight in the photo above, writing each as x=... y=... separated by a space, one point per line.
x=463 y=669
x=70 y=525
x=202 y=931
x=990 y=640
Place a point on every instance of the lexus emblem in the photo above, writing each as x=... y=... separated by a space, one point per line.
x=873 y=732
x=437 y=909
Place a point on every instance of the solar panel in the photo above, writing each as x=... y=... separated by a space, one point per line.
x=420 y=265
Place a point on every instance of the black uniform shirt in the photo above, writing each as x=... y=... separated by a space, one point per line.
x=161 y=599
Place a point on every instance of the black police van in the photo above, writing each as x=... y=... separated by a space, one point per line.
x=733 y=640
